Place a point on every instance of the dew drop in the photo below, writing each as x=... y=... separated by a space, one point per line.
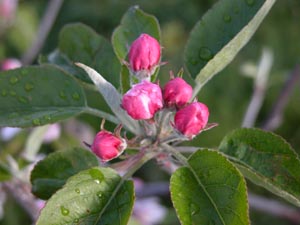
x=96 y=175
x=28 y=87
x=4 y=93
x=227 y=18
x=99 y=194
x=76 y=96
x=36 y=122
x=77 y=190
x=62 y=95
x=22 y=99
x=13 y=115
x=12 y=93
x=64 y=211
x=205 y=54
x=76 y=221
x=193 y=61
x=13 y=80
x=250 y=2
x=24 y=72
x=236 y=10
x=47 y=117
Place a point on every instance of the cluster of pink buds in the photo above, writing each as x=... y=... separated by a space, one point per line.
x=145 y=99
x=168 y=111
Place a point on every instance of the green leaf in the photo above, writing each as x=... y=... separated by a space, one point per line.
x=125 y=79
x=4 y=172
x=51 y=173
x=266 y=159
x=112 y=98
x=38 y=95
x=221 y=34
x=209 y=190
x=82 y=44
x=133 y=23
x=95 y=196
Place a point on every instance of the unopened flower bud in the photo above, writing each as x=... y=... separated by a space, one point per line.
x=144 y=55
x=108 y=146
x=143 y=100
x=7 y=9
x=177 y=93
x=191 y=119
x=11 y=63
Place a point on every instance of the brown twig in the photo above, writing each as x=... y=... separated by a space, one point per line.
x=43 y=31
x=21 y=192
x=274 y=119
x=256 y=202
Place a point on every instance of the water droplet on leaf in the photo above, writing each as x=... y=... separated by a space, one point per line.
x=96 y=175
x=205 y=54
x=227 y=18
x=64 y=211
x=13 y=80
x=28 y=87
x=62 y=95
x=76 y=96
x=250 y=2
x=99 y=194
x=12 y=93
x=76 y=220
x=24 y=72
x=36 y=122
x=4 y=93
x=22 y=99
x=77 y=190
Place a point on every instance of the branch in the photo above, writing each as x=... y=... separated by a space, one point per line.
x=22 y=194
x=260 y=84
x=274 y=119
x=256 y=202
x=43 y=31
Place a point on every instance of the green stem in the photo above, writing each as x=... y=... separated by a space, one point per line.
x=176 y=154
x=140 y=161
x=101 y=114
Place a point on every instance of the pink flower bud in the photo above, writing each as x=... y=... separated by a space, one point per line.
x=143 y=100
x=144 y=54
x=9 y=64
x=8 y=8
x=108 y=146
x=191 y=119
x=177 y=93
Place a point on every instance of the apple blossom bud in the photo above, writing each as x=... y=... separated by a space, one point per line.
x=177 y=93
x=11 y=63
x=7 y=9
x=144 y=55
x=191 y=119
x=108 y=146
x=143 y=100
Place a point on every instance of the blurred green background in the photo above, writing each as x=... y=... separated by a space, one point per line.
x=227 y=95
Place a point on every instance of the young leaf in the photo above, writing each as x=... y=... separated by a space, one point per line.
x=112 y=97
x=221 y=34
x=209 y=190
x=133 y=23
x=38 y=95
x=82 y=44
x=266 y=159
x=51 y=173
x=95 y=196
